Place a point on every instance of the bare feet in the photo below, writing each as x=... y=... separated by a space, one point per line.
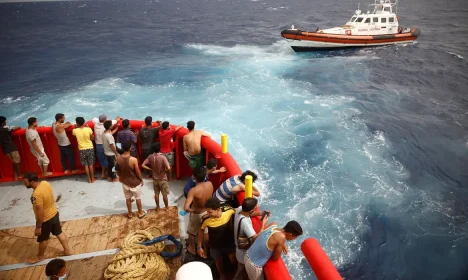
x=67 y=171
x=191 y=250
x=47 y=174
x=75 y=171
x=157 y=209
x=115 y=180
x=166 y=208
x=93 y=180
x=35 y=259
x=129 y=216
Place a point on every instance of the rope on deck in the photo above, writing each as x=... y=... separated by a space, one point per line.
x=138 y=261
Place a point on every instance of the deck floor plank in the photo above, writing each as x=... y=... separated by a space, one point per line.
x=84 y=235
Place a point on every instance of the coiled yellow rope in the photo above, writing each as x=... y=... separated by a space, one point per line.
x=136 y=261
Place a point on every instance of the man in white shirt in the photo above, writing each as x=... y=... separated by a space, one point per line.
x=98 y=132
x=110 y=150
x=37 y=149
x=242 y=219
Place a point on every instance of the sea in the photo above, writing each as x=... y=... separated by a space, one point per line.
x=367 y=149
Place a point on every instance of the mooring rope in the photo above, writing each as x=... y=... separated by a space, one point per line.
x=138 y=261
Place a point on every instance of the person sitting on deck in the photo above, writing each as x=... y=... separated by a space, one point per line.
x=270 y=243
x=234 y=185
x=195 y=205
x=127 y=135
x=47 y=216
x=243 y=227
x=56 y=269
x=84 y=137
x=110 y=150
x=158 y=164
x=98 y=134
x=218 y=221
x=37 y=149
x=65 y=147
x=165 y=138
x=210 y=168
x=192 y=146
x=130 y=176
x=8 y=147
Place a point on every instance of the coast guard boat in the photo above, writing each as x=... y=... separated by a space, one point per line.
x=380 y=27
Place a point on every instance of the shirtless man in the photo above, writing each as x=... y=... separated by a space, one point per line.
x=192 y=145
x=195 y=205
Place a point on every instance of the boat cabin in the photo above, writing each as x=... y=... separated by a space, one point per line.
x=382 y=20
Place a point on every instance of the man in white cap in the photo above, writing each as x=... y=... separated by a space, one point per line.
x=98 y=131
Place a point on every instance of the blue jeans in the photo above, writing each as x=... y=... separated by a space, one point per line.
x=66 y=152
x=101 y=156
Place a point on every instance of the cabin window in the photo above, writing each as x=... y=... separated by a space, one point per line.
x=387 y=9
x=376 y=19
x=368 y=20
x=391 y=19
x=383 y=20
x=353 y=19
x=359 y=19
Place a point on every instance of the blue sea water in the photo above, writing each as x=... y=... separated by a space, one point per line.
x=367 y=149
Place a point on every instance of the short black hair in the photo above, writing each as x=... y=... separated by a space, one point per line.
x=2 y=120
x=126 y=146
x=107 y=125
x=32 y=120
x=190 y=125
x=212 y=163
x=148 y=120
x=31 y=176
x=213 y=203
x=54 y=266
x=59 y=116
x=80 y=121
x=156 y=147
x=199 y=173
x=249 y=204
x=293 y=228
x=248 y=172
x=165 y=125
x=125 y=123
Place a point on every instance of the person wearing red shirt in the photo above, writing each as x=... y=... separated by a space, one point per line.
x=165 y=139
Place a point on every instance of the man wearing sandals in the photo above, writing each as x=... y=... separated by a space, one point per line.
x=130 y=176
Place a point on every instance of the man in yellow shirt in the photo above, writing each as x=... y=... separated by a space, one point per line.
x=47 y=216
x=84 y=136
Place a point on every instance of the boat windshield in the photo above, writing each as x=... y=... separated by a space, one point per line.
x=360 y=19
x=353 y=19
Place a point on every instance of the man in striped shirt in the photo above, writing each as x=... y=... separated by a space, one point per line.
x=234 y=185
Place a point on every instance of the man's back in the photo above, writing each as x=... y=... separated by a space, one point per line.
x=83 y=137
x=158 y=164
x=147 y=136
x=5 y=140
x=193 y=142
x=201 y=193
x=127 y=172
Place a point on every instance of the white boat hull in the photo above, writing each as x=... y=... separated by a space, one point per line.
x=299 y=46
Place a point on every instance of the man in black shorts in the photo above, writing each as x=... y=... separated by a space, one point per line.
x=47 y=216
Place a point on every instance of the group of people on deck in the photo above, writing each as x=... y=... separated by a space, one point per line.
x=215 y=226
